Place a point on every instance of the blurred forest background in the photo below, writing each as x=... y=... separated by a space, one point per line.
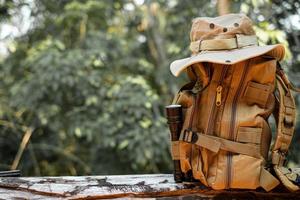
x=83 y=83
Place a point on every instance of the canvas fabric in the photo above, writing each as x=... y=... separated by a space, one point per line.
x=227 y=39
x=225 y=139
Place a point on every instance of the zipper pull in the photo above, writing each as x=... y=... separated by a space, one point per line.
x=219 y=95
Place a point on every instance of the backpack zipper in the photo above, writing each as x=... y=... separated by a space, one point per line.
x=232 y=125
x=217 y=101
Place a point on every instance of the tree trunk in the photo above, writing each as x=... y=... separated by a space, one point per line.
x=223 y=7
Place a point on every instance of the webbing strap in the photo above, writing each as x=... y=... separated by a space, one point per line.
x=286 y=119
x=286 y=81
x=214 y=144
x=175 y=153
x=238 y=41
x=267 y=180
x=285 y=115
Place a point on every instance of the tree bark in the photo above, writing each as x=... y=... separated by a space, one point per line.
x=223 y=7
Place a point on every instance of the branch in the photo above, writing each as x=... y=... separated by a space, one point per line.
x=22 y=147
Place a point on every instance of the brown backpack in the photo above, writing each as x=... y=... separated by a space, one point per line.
x=225 y=137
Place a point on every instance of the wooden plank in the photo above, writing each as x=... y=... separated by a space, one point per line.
x=159 y=186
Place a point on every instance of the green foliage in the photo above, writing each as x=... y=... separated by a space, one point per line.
x=91 y=79
x=86 y=90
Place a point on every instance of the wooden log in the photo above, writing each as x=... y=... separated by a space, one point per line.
x=159 y=186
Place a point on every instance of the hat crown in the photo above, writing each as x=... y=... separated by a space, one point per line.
x=222 y=27
x=225 y=40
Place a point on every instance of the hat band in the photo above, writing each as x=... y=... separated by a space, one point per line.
x=238 y=41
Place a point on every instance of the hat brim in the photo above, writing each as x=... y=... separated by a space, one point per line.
x=228 y=57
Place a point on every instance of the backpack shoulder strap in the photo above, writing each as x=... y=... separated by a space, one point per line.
x=286 y=119
x=285 y=115
x=198 y=74
x=187 y=86
x=280 y=72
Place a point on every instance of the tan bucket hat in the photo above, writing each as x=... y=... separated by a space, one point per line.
x=227 y=40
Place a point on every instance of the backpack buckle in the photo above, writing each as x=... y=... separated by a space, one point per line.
x=190 y=136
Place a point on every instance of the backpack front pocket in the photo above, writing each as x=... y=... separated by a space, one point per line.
x=249 y=135
x=197 y=164
x=246 y=169
x=245 y=172
x=257 y=93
